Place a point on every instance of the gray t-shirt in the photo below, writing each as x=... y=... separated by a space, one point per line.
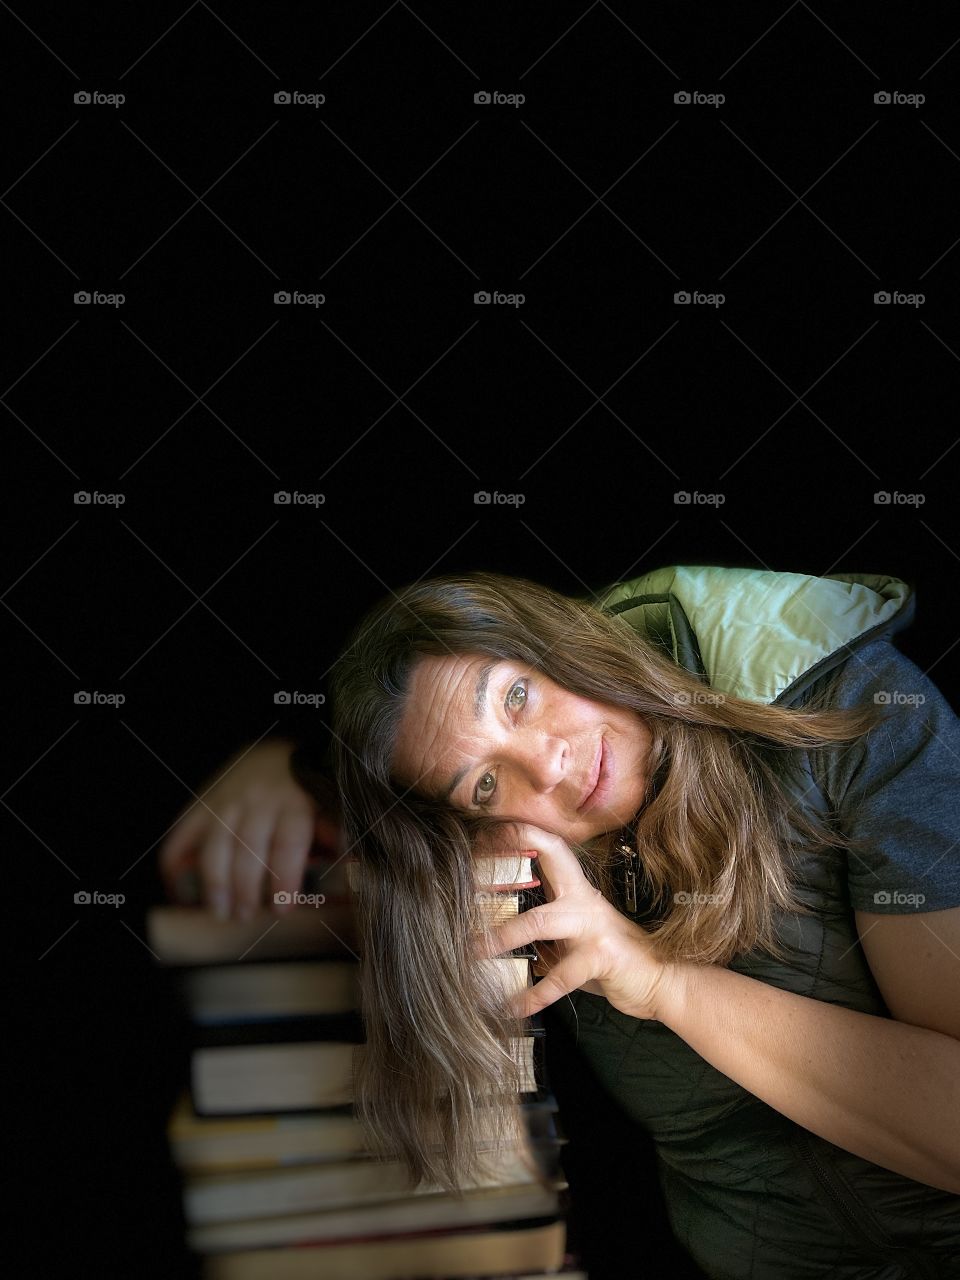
x=897 y=789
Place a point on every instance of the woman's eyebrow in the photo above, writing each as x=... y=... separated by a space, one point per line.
x=479 y=710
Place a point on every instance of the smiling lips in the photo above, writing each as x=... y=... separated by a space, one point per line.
x=594 y=778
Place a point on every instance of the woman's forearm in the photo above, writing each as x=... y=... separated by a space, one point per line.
x=884 y=1090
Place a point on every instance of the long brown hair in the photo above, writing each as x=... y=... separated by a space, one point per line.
x=437 y=1081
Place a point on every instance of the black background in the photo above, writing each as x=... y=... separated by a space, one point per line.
x=598 y=399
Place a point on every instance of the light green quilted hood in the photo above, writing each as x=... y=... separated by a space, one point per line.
x=756 y=633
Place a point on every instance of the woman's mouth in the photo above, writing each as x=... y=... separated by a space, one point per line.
x=602 y=781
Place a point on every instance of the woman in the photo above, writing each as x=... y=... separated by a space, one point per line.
x=767 y=981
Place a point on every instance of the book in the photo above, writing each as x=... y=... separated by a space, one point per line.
x=247 y=992
x=226 y=1144
x=494 y=1251
x=180 y=936
x=222 y=1143
x=508 y=872
x=242 y=993
x=293 y=1075
x=390 y=1218
x=341 y=1184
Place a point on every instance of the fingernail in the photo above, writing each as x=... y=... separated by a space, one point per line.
x=220 y=904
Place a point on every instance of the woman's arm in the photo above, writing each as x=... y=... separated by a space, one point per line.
x=884 y=1090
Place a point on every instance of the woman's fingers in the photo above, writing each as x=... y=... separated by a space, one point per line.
x=538 y=924
x=558 y=867
x=214 y=863
x=569 y=973
x=251 y=861
x=292 y=841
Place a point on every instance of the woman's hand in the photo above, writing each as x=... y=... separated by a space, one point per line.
x=248 y=834
x=597 y=949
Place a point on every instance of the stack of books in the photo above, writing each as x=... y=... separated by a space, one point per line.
x=277 y=1177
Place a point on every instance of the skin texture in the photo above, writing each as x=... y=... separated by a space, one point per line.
x=539 y=751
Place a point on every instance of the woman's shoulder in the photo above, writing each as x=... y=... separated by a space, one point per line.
x=875 y=672
x=896 y=790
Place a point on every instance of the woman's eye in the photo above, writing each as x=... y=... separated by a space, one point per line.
x=521 y=685
x=481 y=795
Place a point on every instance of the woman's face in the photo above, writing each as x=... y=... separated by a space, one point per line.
x=498 y=737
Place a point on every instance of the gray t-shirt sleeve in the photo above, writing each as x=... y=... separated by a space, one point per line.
x=898 y=789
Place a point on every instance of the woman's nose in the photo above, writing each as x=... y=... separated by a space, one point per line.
x=542 y=762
